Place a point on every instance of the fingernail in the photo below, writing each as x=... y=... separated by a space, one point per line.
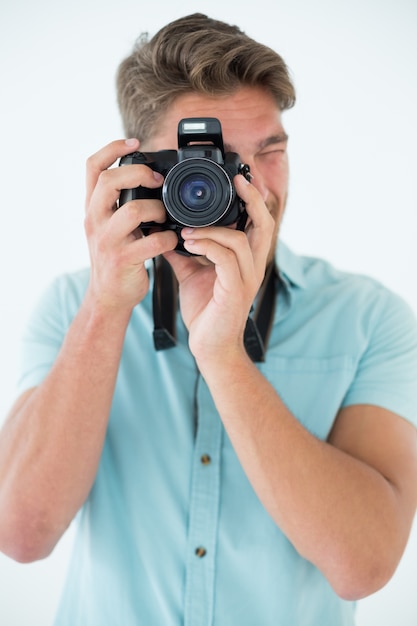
x=157 y=176
x=188 y=231
x=247 y=178
x=131 y=142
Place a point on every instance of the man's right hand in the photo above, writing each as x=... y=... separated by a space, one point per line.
x=119 y=279
x=46 y=476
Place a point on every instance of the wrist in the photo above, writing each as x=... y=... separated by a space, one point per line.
x=105 y=311
x=222 y=361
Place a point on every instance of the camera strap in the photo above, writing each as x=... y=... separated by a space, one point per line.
x=165 y=306
x=259 y=322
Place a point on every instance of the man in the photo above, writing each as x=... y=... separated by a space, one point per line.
x=211 y=487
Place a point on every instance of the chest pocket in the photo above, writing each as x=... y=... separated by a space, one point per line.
x=312 y=388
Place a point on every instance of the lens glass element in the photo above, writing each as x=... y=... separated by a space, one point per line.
x=197 y=192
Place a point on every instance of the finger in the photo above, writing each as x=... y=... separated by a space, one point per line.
x=183 y=266
x=228 y=250
x=111 y=182
x=261 y=223
x=161 y=242
x=132 y=214
x=105 y=158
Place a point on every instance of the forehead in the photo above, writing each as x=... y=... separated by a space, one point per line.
x=247 y=116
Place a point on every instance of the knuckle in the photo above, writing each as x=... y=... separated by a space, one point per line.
x=241 y=237
x=270 y=220
x=91 y=162
x=154 y=242
x=104 y=178
x=161 y=241
x=229 y=255
x=93 y=166
x=130 y=214
x=240 y=240
x=88 y=225
x=270 y=228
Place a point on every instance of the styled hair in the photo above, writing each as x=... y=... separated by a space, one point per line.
x=194 y=54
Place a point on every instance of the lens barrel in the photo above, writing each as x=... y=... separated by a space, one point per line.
x=197 y=192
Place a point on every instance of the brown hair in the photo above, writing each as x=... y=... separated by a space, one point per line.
x=194 y=54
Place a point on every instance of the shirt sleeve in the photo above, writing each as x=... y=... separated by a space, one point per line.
x=46 y=330
x=386 y=375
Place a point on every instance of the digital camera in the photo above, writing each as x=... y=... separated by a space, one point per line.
x=198 y=185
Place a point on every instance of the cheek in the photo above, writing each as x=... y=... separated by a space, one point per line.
x=271 y=177
x=276 y=184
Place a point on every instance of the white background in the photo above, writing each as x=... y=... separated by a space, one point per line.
x=353 y=196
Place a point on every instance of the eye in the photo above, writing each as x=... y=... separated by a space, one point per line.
x=272 y=153
x=273 y=148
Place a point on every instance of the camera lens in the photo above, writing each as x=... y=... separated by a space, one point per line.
x=197 y=192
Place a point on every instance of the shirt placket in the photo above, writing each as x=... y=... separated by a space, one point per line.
x=204 y=513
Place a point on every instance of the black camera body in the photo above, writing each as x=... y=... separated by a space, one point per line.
x=198 y=188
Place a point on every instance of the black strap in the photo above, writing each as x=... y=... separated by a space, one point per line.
x=165 y=304
x=259 y=323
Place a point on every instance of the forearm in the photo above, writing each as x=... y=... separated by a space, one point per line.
x=51 y=444
x=338 y=512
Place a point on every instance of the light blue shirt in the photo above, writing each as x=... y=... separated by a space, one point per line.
x=172 y=533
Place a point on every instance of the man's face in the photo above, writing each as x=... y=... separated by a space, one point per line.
x=252 y=127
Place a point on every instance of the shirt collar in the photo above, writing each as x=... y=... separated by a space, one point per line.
x=290 y=265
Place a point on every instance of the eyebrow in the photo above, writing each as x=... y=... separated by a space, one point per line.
x=269 y=141
x=280 y=138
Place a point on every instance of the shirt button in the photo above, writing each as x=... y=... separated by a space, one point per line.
x=205 y=459
x=200 y=552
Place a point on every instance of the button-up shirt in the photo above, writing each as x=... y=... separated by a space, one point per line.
x=172 y=532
